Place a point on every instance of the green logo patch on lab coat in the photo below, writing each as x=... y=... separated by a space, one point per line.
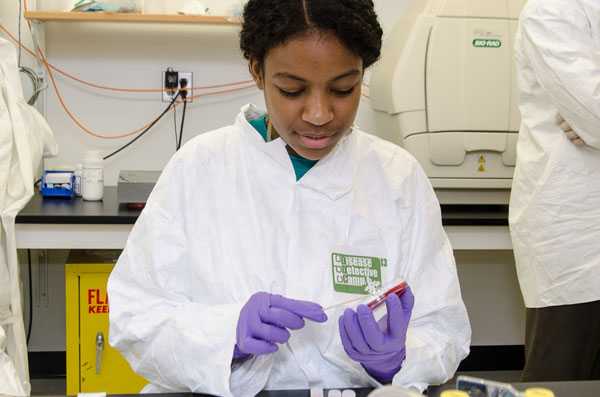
x=356 y=274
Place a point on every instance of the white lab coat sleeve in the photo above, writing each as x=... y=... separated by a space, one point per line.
x=439 y=333
x=178 y=344
x=25 y=138
x=558 y=44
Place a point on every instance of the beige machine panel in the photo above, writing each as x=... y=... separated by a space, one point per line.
x=470 y=8
x=404 y=75
x=446 y=90
x=469 y=75
x=471 y=170
x=515 y=7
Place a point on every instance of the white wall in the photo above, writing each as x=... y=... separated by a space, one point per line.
x=491 y=293
x=132 y=55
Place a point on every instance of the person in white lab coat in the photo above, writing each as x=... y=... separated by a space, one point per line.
x=252 y=227
x=555 y=201
x=25 y=138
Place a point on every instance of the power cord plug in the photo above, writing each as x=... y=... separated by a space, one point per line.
x=183 y=89
x=171 y=81
x=183 y=92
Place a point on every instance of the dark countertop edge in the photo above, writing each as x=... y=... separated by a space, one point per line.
x=475 y=222
x=452 y=214
x=76 y=220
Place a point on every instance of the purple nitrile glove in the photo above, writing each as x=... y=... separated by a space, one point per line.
x=379 y=347
x=265 y=320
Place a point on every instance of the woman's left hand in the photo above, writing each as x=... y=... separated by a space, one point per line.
x=379 y=347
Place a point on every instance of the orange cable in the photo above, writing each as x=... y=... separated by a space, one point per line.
x=70 y=114
x=66 y=109
x=61 y=100
x=87 y=130
x=117 y=89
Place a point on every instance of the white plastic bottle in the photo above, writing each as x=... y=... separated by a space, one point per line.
x=92 y=179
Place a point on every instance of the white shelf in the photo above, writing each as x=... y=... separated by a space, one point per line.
x=42 y=16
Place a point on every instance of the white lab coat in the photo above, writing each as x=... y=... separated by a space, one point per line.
x=227 y=219
x=555 y=201
x=24 y=138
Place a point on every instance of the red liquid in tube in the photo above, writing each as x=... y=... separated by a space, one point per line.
x=398 y=289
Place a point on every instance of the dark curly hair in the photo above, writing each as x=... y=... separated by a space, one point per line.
x=269 y=23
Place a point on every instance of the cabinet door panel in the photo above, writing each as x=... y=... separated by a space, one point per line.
x=102 y=368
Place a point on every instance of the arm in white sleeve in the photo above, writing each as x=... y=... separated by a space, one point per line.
x=165 y=332
x=439 y=333
x=560 y=48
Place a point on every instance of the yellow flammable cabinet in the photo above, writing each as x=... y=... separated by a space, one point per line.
x=92 y=365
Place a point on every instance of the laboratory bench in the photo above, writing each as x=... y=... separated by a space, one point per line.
x=78 y=224
x=561 y=389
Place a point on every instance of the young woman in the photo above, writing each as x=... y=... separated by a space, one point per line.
x=254 y=228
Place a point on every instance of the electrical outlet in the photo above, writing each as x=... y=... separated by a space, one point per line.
x=168 y=95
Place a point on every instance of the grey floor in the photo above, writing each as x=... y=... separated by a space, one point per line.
x=57 y=387
x=48 y=387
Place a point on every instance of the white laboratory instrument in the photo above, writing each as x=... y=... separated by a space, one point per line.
x=445 y=89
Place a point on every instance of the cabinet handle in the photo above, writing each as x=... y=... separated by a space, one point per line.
x=99 y=350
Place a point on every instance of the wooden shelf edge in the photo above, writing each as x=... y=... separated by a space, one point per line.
x=43 y=16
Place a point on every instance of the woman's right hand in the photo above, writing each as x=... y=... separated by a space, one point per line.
x=265 y=319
